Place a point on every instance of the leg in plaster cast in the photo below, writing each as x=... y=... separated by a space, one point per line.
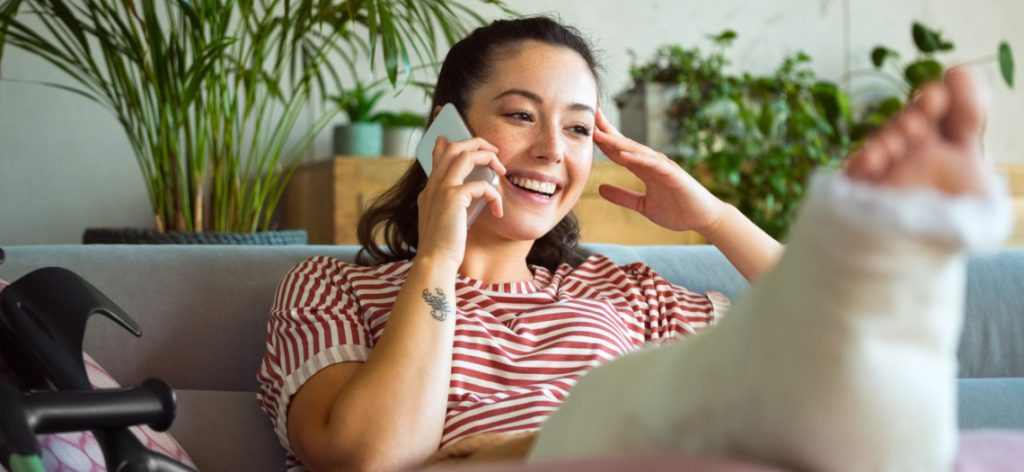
x=844 y=356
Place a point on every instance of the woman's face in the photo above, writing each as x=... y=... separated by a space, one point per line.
x=538 y=108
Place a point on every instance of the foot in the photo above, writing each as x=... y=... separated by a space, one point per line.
x=934 y=143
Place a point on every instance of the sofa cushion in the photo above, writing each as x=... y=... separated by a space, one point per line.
x=698 y=268
x=991 y=343
x=991 y=403
x=226 y=431
x=202 y=309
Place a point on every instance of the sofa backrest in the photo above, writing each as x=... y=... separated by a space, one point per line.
x=203 y=309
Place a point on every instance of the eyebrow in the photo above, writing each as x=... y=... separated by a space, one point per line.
x=536 y=98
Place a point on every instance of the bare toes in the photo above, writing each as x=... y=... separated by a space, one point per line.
x=869 y=163
x=893 y=141
x=965 y=120
x=913 y=126
x=931 y=102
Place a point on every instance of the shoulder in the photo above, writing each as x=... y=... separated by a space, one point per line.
x=601 y=267
x=332 y=268
x=600 y=271
x=330 y=275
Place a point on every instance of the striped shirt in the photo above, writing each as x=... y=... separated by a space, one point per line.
x=519 y=347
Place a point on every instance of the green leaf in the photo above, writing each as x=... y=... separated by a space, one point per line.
x=733 y=177
x=921 y=72
x=890 y=107
x=927 y=40
x=1006 y=63
x=766 y=122
x=862 y=130
x=833 y=102
x=724 y=38
x=880 y=54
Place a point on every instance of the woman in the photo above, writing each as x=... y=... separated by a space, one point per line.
x=488 y=327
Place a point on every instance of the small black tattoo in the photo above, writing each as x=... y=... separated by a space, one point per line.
x=438 y=304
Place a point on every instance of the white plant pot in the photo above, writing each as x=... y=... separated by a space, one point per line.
x=401 y=141
x=642 y=115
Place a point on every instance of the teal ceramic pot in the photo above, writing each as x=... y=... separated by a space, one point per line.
x=359 y=139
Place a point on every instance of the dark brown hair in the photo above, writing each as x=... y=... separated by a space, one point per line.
x=393 y=219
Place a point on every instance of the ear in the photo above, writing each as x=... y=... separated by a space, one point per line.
x=434 y=113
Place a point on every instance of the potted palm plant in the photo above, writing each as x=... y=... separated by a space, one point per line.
x=209 y=93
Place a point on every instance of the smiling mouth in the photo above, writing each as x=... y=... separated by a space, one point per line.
x=543 y=189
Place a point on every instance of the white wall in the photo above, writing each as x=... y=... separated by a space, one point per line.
x=65 y=165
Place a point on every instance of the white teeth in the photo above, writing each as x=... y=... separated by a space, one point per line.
x=542 y=187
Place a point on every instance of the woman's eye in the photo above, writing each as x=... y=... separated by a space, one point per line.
x=581 y=130
x=520 y=115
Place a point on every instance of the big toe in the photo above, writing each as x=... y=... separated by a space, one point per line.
x=968 y=96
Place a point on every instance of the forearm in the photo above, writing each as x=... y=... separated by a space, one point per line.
x=748 y=247
x=394 y=409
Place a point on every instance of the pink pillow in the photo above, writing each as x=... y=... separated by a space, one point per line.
x=990 y=450
x=79 y=451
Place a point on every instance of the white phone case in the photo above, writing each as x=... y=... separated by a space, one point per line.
x=448 y=123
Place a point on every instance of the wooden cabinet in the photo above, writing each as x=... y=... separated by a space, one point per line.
x=328 y=197
x=1015 y=181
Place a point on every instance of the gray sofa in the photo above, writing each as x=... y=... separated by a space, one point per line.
x=203 y=312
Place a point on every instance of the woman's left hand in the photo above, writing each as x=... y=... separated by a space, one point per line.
x=672 y=198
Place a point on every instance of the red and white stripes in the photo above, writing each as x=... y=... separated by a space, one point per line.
x=519 y=347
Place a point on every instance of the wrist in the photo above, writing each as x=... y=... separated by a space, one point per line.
x=715 y=227
x=437 y=262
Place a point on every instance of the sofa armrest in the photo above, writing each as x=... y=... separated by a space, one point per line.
x=991 y=403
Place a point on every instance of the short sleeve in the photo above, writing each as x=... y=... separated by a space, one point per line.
x=315 y=322
x=669 y=311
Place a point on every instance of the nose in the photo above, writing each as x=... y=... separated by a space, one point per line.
x=549 y=144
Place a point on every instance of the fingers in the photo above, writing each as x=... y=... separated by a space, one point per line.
x=464 y=163
x=623 y=197
x=628 y=153
x=445 y=152
x=484 y=190
x=462 y=196
x=612 y=143
x=624 y=151
x=604 y=125
x=443 y=197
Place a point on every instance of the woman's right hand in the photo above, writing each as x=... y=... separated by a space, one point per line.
x=444 y=202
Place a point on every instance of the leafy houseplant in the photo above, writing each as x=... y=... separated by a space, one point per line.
x=363 y=135
x=752 y=140
x=209 y=92
x=907 y=79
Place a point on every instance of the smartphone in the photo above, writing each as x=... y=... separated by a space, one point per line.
x=448 y=123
